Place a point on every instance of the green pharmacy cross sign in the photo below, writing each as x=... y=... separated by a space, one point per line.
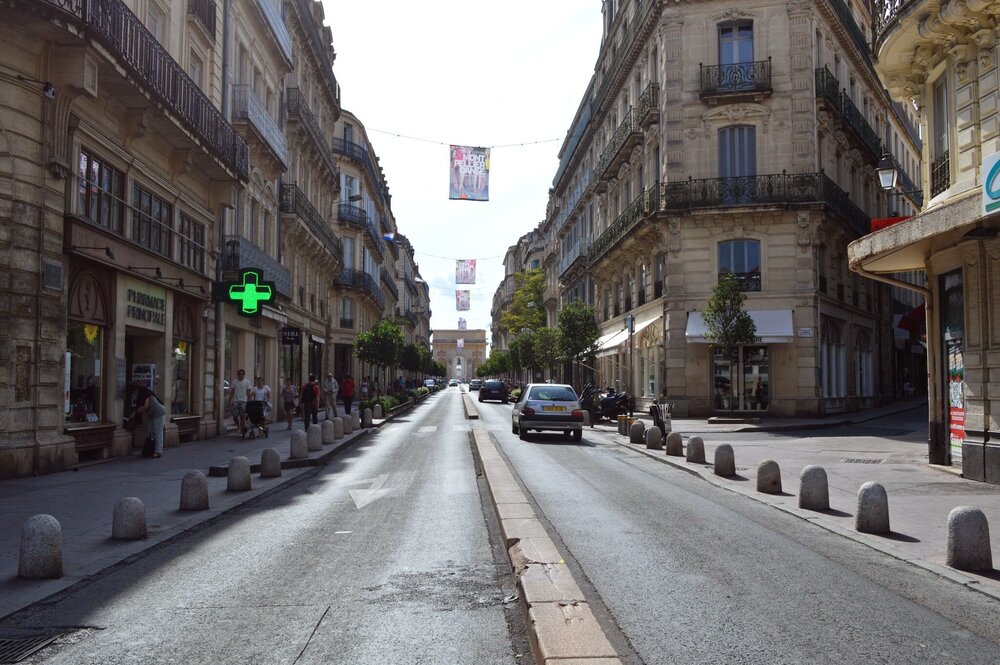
x=250 y=292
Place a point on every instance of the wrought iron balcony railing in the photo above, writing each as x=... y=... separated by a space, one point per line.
x=828 y=88
x=748 y=281
x=346 y=323
x=742 y=77
x=389 y=283
x=572 y=199
x=620 y=58
x=847 y=19
x=627 y=128
x=359 y=154
x=204 y=11
x=294 y=201
x=647 y=109
x=356 y=216
x=409 y=315
x=576 y=253
x=298 y=111
x=272 y=16
x=940 y=173
x=320 y=46
x=248 y=106
x=240 y=253
x=648 y=202
x=362 y=281
x=116 y=28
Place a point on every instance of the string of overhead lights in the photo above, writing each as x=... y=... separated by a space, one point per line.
x=448 y=143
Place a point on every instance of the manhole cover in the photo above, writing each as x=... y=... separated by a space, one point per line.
x=862 y=460
x=16 y=649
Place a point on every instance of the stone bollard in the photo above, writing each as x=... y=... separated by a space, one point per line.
x=587 y=421
x=696 y=450
x=622 y=424
x=41 y=549
x=194 y=491
x=377 y=411
x=357 y=419
x=328 y=432
x=968 y=540
x=300 y=446
x=338 y=428
x=270 y=463
x=129 y=521
x=239 y=475
x=814 y=491
x=654 y=438
x=769 y=477
x=675 y=444
x=348 y=423
x=725 y=461
x=314 y=437
x=367 y=419
x=872 y=515
x=637 y=432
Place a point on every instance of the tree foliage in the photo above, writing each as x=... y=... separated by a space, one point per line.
x=728 y=324
x=547 y=347
x=382 y=345
x=410 y=359
x=525 y=311
x=578 y=331
x=522 y=352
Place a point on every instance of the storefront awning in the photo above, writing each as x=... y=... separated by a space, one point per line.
x=608 y=344
x=774 y=326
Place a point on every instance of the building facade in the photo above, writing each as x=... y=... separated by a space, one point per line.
x=942 y=59
x=460 y=351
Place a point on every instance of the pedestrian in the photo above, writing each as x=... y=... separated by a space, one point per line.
x=261 y=392
x=288 y=395
x=330 y=389
x=149 y=406
x=364 y=389
x=347 y=392
x=239 y=392
x=309 y=399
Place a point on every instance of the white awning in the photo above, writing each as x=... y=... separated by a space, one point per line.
x=774 y=326
x=608 y=344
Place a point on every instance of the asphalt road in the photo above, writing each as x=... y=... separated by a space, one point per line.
x=680 y=571
x=381 y=557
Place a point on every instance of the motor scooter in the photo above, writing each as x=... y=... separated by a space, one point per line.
x=590 y=400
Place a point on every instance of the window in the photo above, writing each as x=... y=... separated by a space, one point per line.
x=642 y=285
x=348 y=253
x=735 y=43
x=152 y=222
x=84 y=353
x=737 y=151
x=191 y=251
x=660 y=274
x=833 y=361
x=742 y=259
x=346 y=313
x=941 y=166
x=628 y=292
x=196 y=69
x=348 y=133
x=101 y=189
x=156 y=21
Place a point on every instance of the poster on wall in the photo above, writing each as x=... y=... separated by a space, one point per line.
x=462 y=325
x=460 y=343
x=145 y=375
x=465 y=271
x=462 y=299
x=470 y=174
x=956 y=399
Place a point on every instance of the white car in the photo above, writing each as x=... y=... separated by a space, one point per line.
x=548 y=407
x=453 y=383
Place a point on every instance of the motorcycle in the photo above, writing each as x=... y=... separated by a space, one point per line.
x=616 y=404
x=590 y=400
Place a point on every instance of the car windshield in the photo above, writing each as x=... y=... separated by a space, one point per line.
x=492 y=384
x=552 y=394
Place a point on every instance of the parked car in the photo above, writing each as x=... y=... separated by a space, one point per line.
x=493 y=389
x=430 y=385
x=475 y=384
x=453 y=383
x=548 y=407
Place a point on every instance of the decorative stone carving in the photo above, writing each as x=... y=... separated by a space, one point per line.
x=736 y=113
x=87 y=301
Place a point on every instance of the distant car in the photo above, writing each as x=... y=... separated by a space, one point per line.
x=548 y=407
x=493 y=389
x=453 y=383
x=430 y=385
x=475 y=384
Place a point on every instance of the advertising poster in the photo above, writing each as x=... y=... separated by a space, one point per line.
x=462 y=325
x=956 y=400
x=465 y=271
x=144 y=375
x=470 y=174
x=460 y=343
x=462 y=299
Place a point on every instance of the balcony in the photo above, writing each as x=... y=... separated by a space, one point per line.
x=728 y=82
x=299 y=112
x=748 y=281
x=572 y=200
x=276 y=26
x=361 y=281
x=940 y=173
x=765 y=190
x=240 y=253
x=357 y=153
x=829 y=92
x=389 y=284
x=632 y=39
x=409 y=315
x=356 y=216
x=321 y=46
x=204 y=12
x=149 y=65
x=295 y=202
x=577 y=255
x=626 y=137
x=346 y=323
x=647 y=110
x=247 y=107
x=641 y=208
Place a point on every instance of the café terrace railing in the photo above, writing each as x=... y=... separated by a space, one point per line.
x=112 y=24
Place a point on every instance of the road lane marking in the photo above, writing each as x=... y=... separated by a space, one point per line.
x=377 y=487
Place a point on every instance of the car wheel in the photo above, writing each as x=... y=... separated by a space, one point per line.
x=522 y=433
x=578 y=435
x=566 y=434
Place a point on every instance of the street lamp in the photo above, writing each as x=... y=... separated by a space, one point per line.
x=888 y=177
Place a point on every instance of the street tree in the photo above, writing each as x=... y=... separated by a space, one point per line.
x=380 y=346
x=525 y=311
x=547 y=347
x=409 y=359
x=522 y=356
x=729 y=326
x=578 y=332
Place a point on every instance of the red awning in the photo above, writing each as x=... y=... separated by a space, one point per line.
x=913 y=321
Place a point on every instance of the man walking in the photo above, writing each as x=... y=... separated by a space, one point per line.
x=330 y=389
x=309 y=399
x=347 y=392
x=239 y=392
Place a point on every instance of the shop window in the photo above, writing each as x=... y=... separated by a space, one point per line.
x=864 y=380
x=191 y=251
x=833 y=360
x=181 y=398
x=101 y=188
x=741 y=382
x=152 y=222
x=84 y=369
x=741 y=258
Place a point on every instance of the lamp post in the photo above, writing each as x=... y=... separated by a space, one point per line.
x=888 y=177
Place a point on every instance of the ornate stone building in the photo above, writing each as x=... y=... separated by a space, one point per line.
x=461 y=351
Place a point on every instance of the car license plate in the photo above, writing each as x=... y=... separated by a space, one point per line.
x=553 y=408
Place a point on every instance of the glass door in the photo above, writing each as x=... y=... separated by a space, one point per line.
x=751 y=375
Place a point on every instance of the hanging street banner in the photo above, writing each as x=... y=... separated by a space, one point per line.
x=460 y=343
x=465 y=271
x=462 y=301
x=470 y=174
x=462 y=325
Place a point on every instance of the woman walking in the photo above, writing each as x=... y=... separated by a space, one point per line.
x=288 y=395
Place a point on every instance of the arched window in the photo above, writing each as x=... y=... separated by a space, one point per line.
x=742 y=259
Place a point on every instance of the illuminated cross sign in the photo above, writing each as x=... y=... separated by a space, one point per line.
x=251 y=292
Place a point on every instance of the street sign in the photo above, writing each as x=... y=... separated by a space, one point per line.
x=250 y=292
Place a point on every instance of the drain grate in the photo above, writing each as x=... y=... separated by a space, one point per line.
x=862 y=460
x=16 y=649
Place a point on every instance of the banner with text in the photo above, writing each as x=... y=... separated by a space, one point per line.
x=465 y=271
x=460 y=343
x=462 y=325
x=470 y=174
x=462 y=301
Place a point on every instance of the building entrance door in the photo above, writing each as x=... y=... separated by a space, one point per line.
x=745 y=388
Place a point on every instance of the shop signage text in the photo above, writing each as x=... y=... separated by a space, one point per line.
x=145 y=304
x=291 y=336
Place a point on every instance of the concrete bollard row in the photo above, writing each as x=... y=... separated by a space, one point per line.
x=239 y=475
x=696 y=450
x=366 y=420
x=654 y=438
x=357 y=419
x=377 y=412
x=636 y=432
x=129 y=520
x=675 y=444
x=270 y=463
x=329 y=435
x=725 y=461
x=299 y=445
x=348 y=421
x=314 y=437
x=768 y=477
x=194 y=491
x=872 y=515
x=968 y=540
x=814 y=490
x=338 y=428
x=40 y=556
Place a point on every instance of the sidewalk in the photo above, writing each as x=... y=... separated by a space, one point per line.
x=920 y=495
x=83 y=500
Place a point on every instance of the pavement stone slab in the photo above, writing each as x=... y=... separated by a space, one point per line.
x=548 y=583
x=567 y=630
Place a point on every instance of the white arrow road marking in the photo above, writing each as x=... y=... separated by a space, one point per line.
x=377 y=490
x=427 y=429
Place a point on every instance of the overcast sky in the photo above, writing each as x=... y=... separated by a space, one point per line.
x=479 y=73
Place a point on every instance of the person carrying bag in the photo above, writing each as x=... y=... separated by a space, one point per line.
x=149 y=407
